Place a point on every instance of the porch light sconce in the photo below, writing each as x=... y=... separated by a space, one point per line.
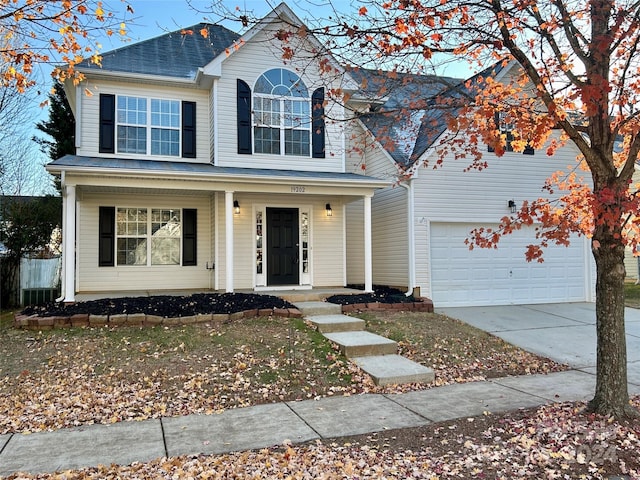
x=236 y=207
x=512 y=206
x=329 y=211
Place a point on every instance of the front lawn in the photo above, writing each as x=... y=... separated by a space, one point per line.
x=67 y=377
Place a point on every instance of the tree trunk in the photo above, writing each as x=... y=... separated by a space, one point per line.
x=611 y=396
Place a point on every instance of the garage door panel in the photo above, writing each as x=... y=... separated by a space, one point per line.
x=502 y=276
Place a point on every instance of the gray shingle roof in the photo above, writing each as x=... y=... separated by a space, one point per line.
x=413 y=116
x=174 y=54
x=204 y=169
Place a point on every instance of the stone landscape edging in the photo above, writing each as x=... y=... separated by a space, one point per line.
x=34 y=322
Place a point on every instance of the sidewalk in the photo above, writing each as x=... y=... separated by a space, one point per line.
x=272 y=424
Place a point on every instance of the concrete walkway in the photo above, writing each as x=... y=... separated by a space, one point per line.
x=272 y=424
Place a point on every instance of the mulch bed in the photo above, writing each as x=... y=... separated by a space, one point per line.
x=164 y=305
x=381 y=294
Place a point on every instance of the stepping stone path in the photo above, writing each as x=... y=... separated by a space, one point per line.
x=374 y=354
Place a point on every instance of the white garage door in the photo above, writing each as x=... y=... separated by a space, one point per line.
x=502 y=276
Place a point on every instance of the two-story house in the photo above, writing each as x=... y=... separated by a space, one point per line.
x=207 y=162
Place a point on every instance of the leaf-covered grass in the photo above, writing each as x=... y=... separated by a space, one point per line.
x=455 y=350
x=68 y=377
x=61 y=378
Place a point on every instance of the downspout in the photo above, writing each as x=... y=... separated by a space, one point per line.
x=411 y=236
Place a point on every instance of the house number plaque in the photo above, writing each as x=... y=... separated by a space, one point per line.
x=297 y=189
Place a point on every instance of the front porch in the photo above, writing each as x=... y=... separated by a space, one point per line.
x=292 y=296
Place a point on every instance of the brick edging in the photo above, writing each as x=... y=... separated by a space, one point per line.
x=422 y=305
x=33 y=322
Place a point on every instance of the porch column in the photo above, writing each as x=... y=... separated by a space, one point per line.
x=368 y=268
x=69 y=243
x=228 y=217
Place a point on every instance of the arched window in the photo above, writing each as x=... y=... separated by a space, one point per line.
x=281 y=114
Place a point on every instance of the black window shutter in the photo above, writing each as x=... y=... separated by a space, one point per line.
x=189 y=237
x=106 y=139
x=244 y=118
x=317 y=123
x=529 y=150
x=106 y=236
x=189 y=129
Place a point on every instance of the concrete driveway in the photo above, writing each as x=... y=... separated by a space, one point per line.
x=564 y=332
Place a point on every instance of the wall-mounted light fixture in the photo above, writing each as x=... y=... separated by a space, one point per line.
x=236 y=207
x=329 y=211
x=512 y=206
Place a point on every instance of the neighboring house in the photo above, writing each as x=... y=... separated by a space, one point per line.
x=207 y=163
x=30 y=272
x=630 y=260
x=420 y=225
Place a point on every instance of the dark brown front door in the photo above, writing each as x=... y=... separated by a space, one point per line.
x=282 y=246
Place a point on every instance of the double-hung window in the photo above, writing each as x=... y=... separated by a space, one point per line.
x=148 y=236
x=506 y=127
x=281 y=114
x=147 y=126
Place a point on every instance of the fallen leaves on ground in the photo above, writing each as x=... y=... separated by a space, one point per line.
x=65 y=378
x=551 y=442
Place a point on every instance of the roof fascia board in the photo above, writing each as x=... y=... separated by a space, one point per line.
x=197 y=81
x=226 y=177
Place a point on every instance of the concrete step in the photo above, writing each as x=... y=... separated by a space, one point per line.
x=336 y=323
x=394 y=369
x=362 y=344
x=318 y=308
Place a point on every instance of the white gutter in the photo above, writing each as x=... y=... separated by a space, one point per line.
x=411 y=247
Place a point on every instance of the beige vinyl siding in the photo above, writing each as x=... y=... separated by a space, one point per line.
x=91 y=278
x=90 y=121
x=366 y=157
x=259 y=55
x=388 y=220
x=390 y=237
x=630 y=264
x=448 y=194
x=326 y=236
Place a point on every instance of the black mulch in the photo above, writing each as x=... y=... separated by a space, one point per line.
x=381 y=294
x=164 y=305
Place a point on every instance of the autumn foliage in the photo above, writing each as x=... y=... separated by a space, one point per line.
x=574 y=84
x=61 y=33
